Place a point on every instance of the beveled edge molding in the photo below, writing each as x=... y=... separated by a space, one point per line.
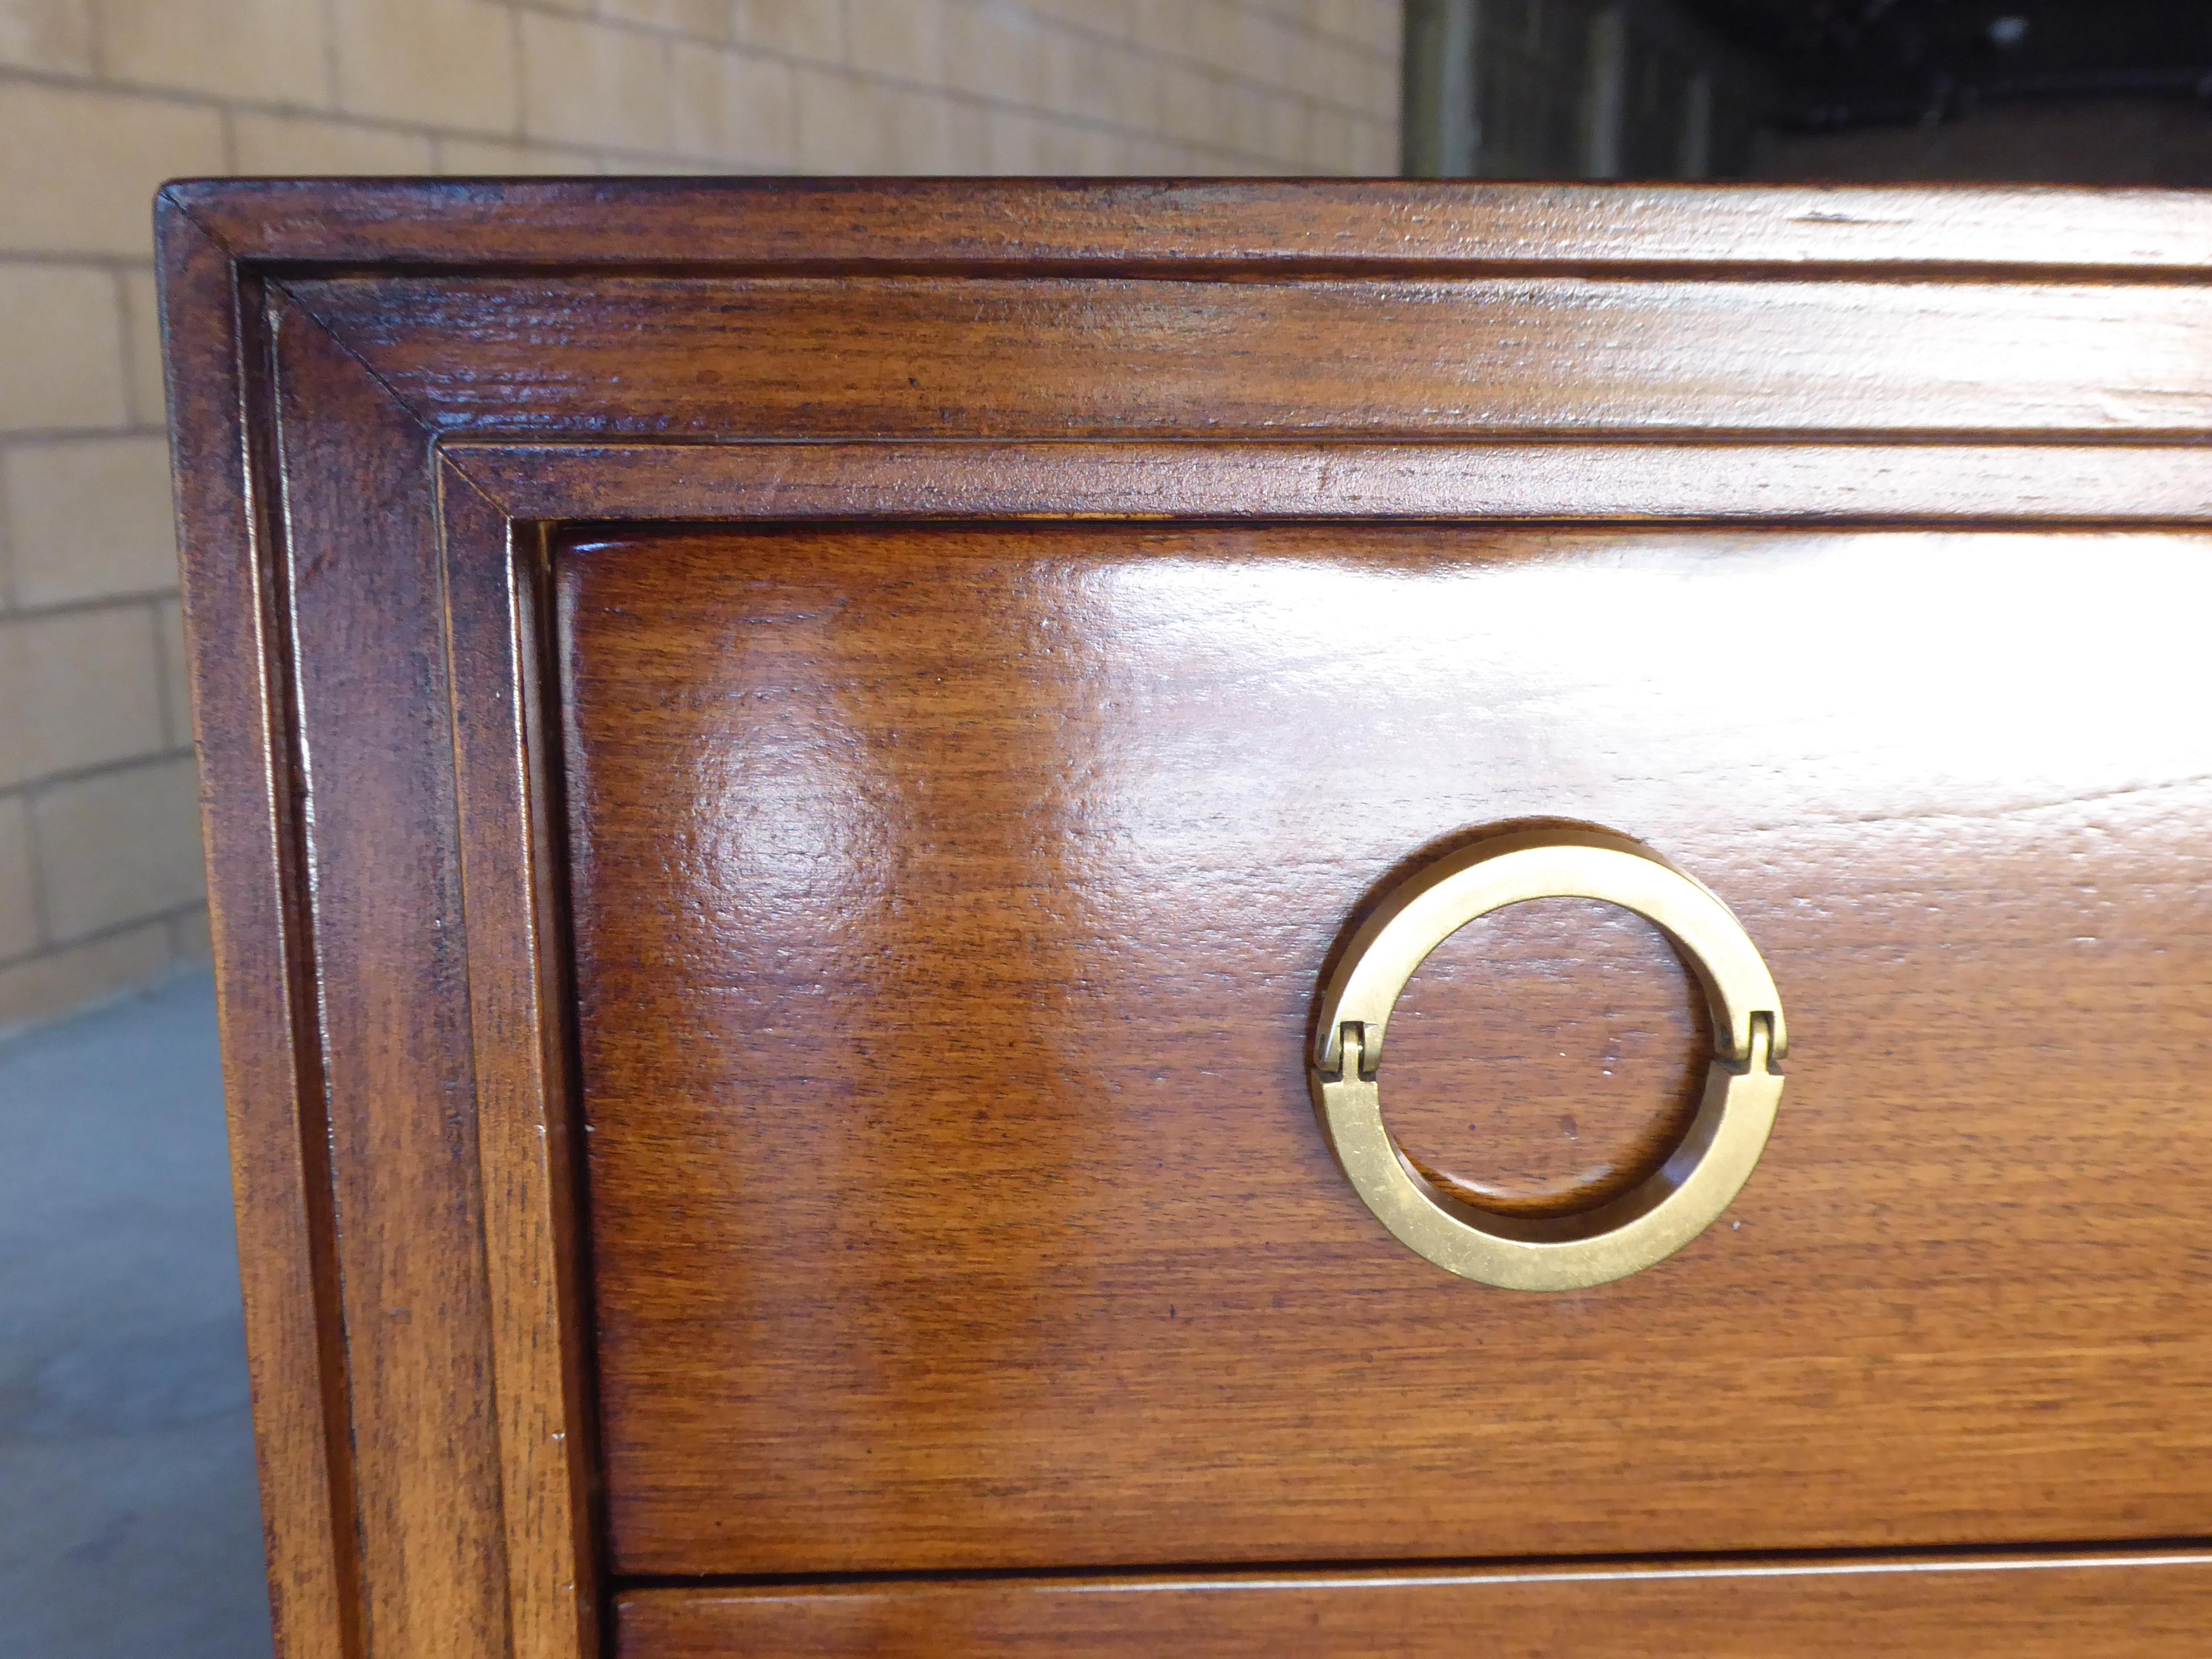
x=1630 y=480
x=1226 y=227
x=487 y=489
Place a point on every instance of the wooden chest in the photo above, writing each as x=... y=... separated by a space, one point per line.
x=819 y=794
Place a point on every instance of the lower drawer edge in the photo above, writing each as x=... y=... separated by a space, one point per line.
x=2116 y=1606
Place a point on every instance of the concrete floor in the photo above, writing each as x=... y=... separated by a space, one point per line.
x=129 y=1524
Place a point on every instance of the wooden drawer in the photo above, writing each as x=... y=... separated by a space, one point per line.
x=949 y=908
x=788 y=767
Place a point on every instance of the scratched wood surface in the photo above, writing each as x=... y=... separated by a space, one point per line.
x=949 y=906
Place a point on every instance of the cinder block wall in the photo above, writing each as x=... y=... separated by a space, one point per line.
x=101 y=99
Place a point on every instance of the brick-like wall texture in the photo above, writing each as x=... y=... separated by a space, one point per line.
x=101 y=99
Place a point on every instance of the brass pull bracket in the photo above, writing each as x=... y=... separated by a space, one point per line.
x=1669 y=1207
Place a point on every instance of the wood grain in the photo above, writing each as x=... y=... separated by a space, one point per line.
x=2018 y=1608
x=382 y=867
x=2108 y=483
x=517 y=980
x=1124 y=356
x=1979 y=1313
x=233 y=553
x=949 y=908
x=1592 y=1039
x=1217 y=229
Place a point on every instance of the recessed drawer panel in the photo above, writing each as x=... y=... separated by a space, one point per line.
x=950 y=906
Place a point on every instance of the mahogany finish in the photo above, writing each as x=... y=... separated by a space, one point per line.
x=628 y=715
x=949 y=907
x=1131 y=354
x=2141 y=1607
x=1590 y=1035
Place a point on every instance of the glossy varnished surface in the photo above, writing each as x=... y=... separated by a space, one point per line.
x=1606 y=1045
x=383 y=392
x=1216 y=228
x=949 y=906
x=2018 y=1608
x=862 y=354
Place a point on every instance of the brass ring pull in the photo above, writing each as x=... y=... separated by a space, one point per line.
x=1672 y=1206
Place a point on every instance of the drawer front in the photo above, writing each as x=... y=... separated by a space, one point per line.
x=2116 y=1608
x=949 y=906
